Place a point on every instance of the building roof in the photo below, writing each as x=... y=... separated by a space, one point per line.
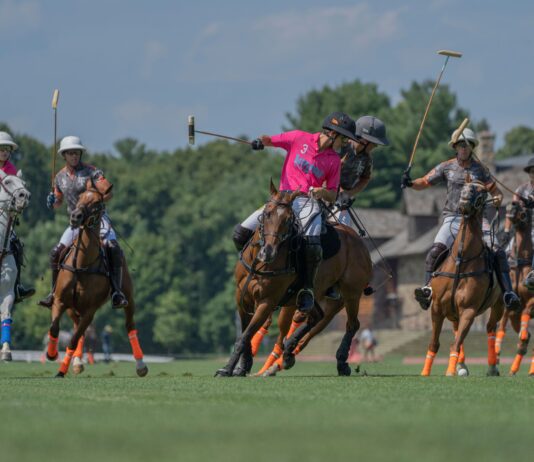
x=513 y=162
x=382 y=223
x=510 y=178
x=429 y=202
x=400 y=245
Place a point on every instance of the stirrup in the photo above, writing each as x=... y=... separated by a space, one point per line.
x=423 y=295
x=529 y=281
x=332 y=293
x=305 y=300
x=118 y=300
x=511 y=301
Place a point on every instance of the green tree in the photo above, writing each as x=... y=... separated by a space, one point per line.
x=519 y=140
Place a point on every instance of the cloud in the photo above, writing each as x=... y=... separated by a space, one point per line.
x=291 y=41
x=18 y=15
x=153 y=52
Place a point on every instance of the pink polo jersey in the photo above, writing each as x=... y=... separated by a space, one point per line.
x=304 y=165
x=9 y=168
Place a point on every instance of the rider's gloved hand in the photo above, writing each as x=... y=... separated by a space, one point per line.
x=406 y=181
x=257 y=145
x=529 y=202
x=344 y=201
x=50 y=200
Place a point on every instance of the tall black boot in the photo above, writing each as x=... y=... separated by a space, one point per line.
x=241 y=236
x=502 y=271
x=434 y=257
x=118 y=300
x=55 y=255
x=313 y=254
x=17 y=248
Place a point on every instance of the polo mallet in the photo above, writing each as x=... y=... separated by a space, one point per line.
x=192 y=131
x=448 y=54
x=55 y=100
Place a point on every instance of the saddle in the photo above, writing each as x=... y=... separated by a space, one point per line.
x=103 y=260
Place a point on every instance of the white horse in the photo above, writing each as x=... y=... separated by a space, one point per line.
x=14 y=198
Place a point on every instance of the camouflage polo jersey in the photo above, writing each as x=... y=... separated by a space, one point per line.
x=451 y=173
x=354 y=167
x=71 y=183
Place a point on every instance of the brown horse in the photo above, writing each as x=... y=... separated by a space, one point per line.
x=83 y=285
x=462 y=289
x=265 y=275
x=521 y=260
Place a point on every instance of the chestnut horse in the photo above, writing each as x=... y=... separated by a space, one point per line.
x=83 y=285
x=461 y=288
x=521 y=261
x=265 y=273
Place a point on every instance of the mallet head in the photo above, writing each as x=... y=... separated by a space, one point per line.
x=452 y=54
x=55 y=99
x=191 y=125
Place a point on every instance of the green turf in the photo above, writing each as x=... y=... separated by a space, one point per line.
x=180 y=413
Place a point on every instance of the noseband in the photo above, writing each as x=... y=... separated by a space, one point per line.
x=91 y=216
x=11 y=194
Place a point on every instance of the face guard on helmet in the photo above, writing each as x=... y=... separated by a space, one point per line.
x=70 y=143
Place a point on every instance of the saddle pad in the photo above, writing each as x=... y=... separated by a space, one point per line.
x=330 y=242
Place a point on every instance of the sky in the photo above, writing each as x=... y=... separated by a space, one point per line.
x=132 y=68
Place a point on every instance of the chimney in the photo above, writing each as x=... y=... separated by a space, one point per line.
x=486 y=149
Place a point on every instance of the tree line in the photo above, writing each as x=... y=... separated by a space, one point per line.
x=176 y=211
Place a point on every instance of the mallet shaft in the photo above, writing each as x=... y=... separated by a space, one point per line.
x=224 y=136
x=55 y=100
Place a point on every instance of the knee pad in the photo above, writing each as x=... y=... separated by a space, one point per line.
x=241 y=236
x=436 y=251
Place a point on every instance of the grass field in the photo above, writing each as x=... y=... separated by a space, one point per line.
x=180 y=413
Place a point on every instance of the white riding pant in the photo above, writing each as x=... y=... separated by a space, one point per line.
x=107 y=233
x=449 y=230
x=307 y=211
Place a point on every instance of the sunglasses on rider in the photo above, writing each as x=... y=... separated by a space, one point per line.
x=463 y=144
x=73 y=152
x=6 y=148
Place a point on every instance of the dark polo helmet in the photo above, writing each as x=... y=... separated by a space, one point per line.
x=372 y=129
x=530 y=165
x=341 y=123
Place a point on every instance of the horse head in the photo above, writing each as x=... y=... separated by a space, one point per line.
x=519 y=215
x=472 y=198
x=13 y=193
x=89 y=208
x=276 y=223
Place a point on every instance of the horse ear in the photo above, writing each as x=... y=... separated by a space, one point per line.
x=2 y=174
x=274 y=191
x=19 y=174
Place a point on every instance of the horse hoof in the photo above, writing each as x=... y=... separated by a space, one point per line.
x=239 y=372
x=289 y=361
x=222 y=373
x=60 y=375
x=271 y=372
x=51 y=358
x=142 y=371
x=78 y=369
x=344 y=370
x=6 y=356
x=493 y=372
x=450 y=374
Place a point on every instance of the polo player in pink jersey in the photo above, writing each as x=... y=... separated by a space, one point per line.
x=312 y=166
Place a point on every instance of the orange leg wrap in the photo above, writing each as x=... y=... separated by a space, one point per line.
x=453 y=360
x=134 y=342
x=52 y=346
x=492 y=354
x=461 y=358
x=294 y=326
x=498 y=342
x=516 y=364
x=90 y=358
x=523 y=333
x=275 y=354
x=64 y=368
x=257 y=339
x=429 y=360
x=78 y=353
x=531 y=371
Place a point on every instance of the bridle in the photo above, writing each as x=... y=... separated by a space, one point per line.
x=281 y=237
x=11 y=194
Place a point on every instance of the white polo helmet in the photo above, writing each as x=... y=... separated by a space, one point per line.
x=6 y=140
x=71 y=142
x=466 y=135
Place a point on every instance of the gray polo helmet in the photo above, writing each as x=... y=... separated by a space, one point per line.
x=530 y=165
x=341 y=123
x=7 y=140
x=372 y=129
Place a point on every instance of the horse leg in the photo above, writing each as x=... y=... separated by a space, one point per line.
x=491 y=329
x=85 y=320
x=522 y=345
x=53 y=333
x=285 y=324
x=261 y=314
x=433 y=346
x=7 y=283
x=129 y=323
x=352 y=326
x=461 y=367
x=244 y=365
x=258 y=336
x=466 y=320
x=77 y=363
x=501 y=333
